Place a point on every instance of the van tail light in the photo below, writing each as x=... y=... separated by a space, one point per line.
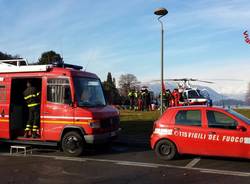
x=156 y=124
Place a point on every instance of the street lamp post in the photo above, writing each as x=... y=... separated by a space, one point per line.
x=161 y=12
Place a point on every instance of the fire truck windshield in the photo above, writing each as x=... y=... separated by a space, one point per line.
x=89 y=92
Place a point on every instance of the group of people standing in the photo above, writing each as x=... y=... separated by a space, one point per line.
x=140 y=100
x=171 y=99
x=143 y=99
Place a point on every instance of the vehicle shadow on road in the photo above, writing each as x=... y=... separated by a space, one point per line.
x=89 y=150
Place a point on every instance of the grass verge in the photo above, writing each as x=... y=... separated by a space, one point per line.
x=137 y=122
x=141 y=123
x=245 y=112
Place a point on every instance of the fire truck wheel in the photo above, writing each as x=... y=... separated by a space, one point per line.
x=165 y=150
x=72 y=143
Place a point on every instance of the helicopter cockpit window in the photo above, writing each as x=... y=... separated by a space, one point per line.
x=184 y=95
x=204 y=93
x=193 y=94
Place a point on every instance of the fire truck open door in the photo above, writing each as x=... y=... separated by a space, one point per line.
x=5 y=85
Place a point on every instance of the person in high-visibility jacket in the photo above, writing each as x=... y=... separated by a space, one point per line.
x=131 y=96
x=32 y=98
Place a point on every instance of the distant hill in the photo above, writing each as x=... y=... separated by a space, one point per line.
x=214 y=95
x=230 y=102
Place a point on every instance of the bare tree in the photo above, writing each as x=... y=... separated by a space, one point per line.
x=248 y=95
x=127 y=82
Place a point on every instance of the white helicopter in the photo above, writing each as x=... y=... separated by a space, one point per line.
x=190 y=95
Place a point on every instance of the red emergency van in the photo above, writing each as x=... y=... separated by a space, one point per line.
x=73 y=110
x=201 y=130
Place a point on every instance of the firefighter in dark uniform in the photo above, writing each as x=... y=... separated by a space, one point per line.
x=32 y=98
x=168 y=98
x=131 y=96
x=145 y=99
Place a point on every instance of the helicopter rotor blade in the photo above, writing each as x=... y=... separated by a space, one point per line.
x=230 y=80
x=181 y=79
x=205 y=81
x=192 y=79
x=184 y=80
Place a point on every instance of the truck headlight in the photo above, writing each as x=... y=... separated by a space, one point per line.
x=95 y=124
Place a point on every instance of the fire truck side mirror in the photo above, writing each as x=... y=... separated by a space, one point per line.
x=71 y=103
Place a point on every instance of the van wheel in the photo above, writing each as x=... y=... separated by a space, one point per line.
x=72 y=144
x=165 y=150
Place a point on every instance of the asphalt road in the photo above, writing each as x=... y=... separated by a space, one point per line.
x=119 y=163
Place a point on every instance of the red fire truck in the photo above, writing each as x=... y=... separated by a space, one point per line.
x=73 y=110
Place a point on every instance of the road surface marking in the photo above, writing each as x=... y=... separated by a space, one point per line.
x=143 y=164
x=193 y=163
x=71 y=174
x=232 y=173
x=70 y=159
x=137 y=164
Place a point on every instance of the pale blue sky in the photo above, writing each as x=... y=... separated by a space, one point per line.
x=204 y=38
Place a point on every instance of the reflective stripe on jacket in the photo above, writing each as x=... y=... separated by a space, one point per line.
x=31 y=96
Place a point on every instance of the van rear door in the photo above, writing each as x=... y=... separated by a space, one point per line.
x=5 y=84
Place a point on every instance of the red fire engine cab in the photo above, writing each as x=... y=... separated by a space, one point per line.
x=73 y=110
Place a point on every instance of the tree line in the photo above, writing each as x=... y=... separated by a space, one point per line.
x=5 y=56
x=48 y=57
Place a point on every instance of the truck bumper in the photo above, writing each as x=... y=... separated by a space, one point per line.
x=101 y=138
